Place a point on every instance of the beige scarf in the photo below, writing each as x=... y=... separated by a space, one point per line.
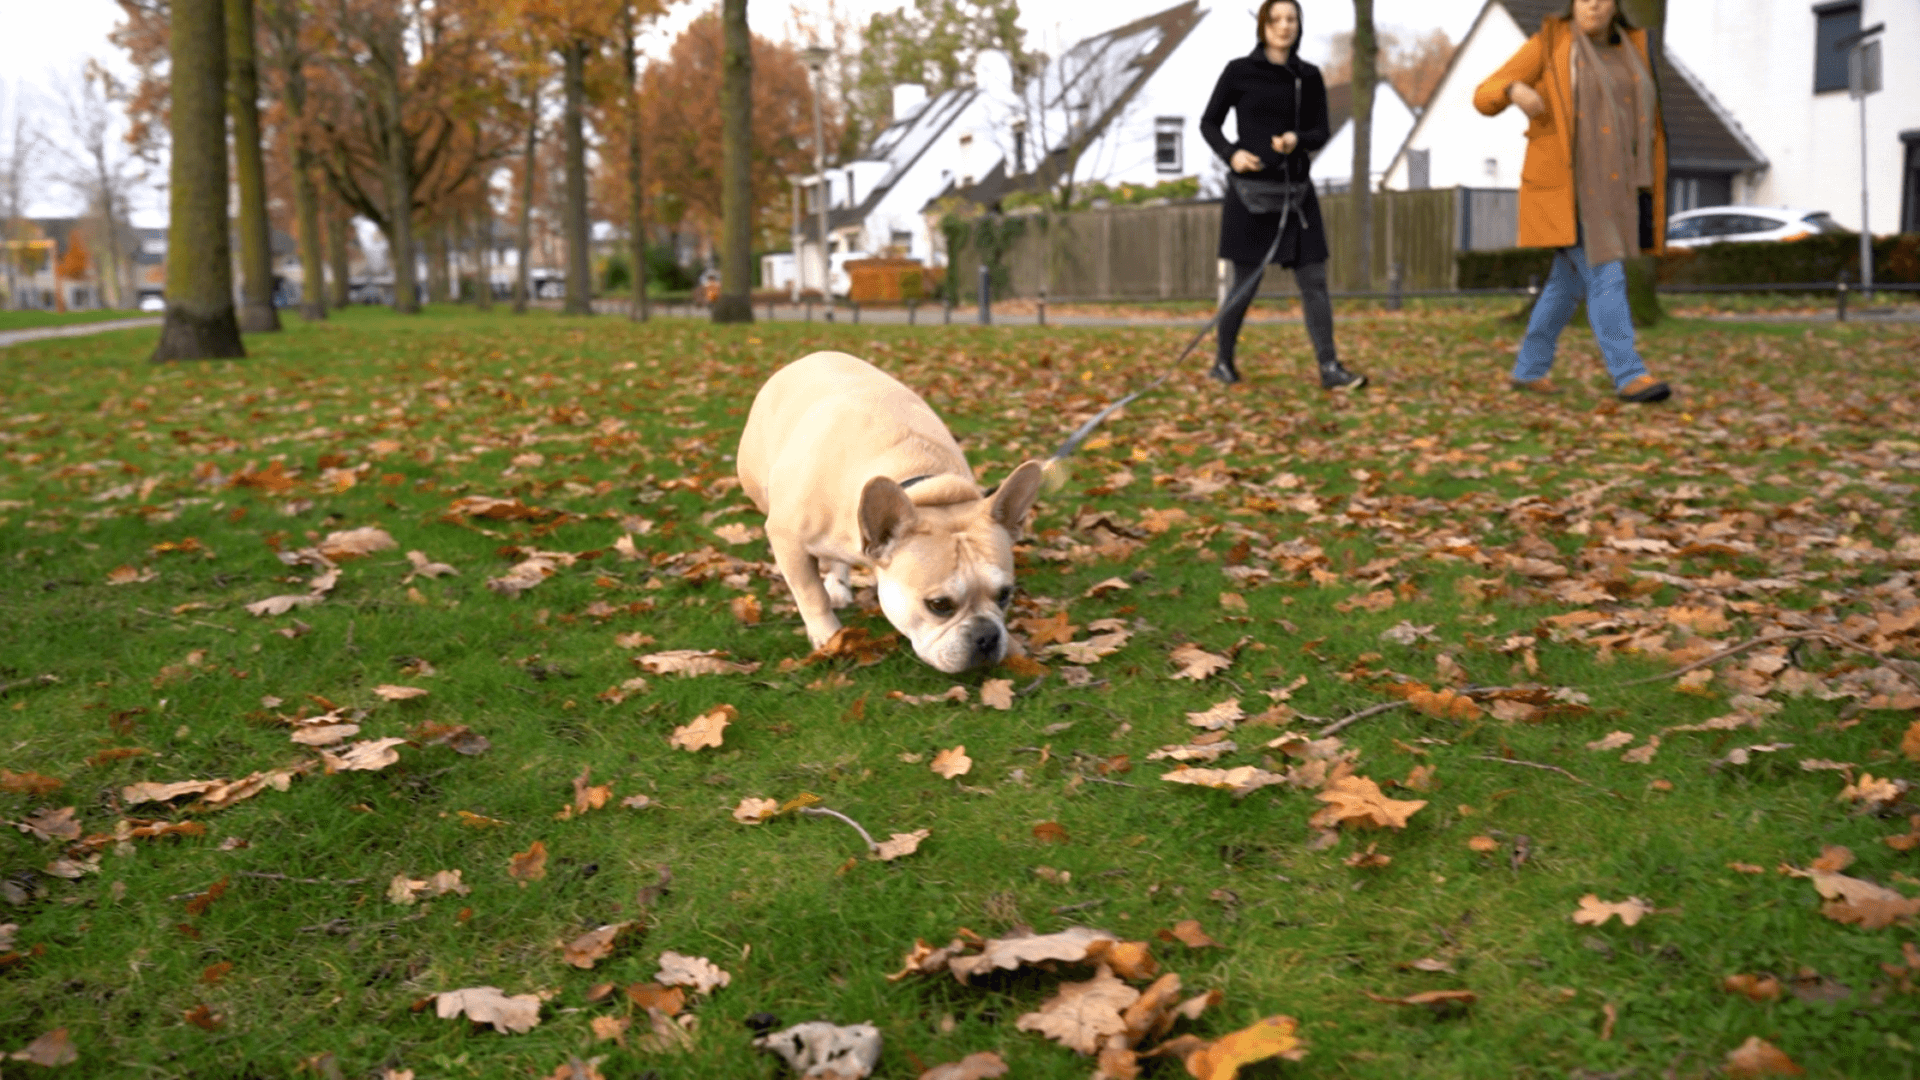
x=1613 y=145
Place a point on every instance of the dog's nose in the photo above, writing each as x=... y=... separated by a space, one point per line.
x=984 y=636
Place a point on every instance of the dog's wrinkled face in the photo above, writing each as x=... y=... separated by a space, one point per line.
x=945 y=573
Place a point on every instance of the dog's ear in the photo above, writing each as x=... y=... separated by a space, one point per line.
x=1015 y=497
x=885 y=515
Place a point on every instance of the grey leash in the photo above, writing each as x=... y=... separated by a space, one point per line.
x=1240 y=295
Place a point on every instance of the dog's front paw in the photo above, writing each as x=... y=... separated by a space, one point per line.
x=839 y=592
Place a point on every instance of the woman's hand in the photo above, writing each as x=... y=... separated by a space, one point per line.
x=1245 y=161
x=1527 y=98
x=1285 y=143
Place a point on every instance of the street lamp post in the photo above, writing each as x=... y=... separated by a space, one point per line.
x=1863 y=78
x=816 y=59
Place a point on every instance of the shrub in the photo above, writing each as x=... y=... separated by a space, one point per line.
x=1825 y=257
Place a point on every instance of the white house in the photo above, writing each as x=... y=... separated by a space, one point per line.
x=1392 y=120
x=1771 y=62
x=875 y=202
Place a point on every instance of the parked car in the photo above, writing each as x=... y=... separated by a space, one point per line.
x=152 y=302
x=1714 y=224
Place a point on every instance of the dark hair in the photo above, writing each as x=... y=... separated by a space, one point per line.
x=1260 y=25
x=1620 y=23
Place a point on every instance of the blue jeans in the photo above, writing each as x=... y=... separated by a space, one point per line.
x=1604 y=288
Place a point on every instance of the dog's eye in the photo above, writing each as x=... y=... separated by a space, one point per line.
x=1006 y=596
x=940 y=606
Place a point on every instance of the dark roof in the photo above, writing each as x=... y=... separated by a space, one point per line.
x=1528 y=13
x=1174 y=24
x=902 y=143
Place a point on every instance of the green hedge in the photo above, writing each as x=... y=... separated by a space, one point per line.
x=1826 y=257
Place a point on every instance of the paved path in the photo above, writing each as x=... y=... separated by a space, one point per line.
x=17 y=337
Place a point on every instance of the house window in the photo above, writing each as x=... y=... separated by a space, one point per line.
x=1910 y=183
x=1832 y=22
x=1419 y=169
x=1166 y=144
x=903 y=240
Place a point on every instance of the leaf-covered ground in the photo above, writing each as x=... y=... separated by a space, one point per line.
x=1622 y=681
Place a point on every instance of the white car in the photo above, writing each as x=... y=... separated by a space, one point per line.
x=1715 y=224
x=153 y=302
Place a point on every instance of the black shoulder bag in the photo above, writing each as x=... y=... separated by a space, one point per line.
x=1267 y=195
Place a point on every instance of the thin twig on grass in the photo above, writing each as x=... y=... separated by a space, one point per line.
x=1107 y=780
x=1549 y=768
x=23 y=684
x=1372 y=710
x=1798 y=635
x=191 y=622
x=264 y=876
x=1068 y=909
x=821 y=811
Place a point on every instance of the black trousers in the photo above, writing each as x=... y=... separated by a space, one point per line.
x=1311 y=279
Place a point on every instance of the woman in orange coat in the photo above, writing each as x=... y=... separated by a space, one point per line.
x=1593 y=185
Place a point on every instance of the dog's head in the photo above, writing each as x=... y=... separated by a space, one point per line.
x=945 y=569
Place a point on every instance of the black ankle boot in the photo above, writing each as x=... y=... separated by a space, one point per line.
x=1335 y=376
x=1224 y=371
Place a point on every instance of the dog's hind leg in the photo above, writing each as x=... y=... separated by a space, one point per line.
x=838 y=578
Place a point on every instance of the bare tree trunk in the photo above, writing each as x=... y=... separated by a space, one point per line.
x=483 y=250
x=579 y=255
x=522 y=285
x=389 y=61
x=243 y=104
x=313 y=303
x=338 y=222
x=200 y=322
x=283 y=30
x=437 y=260
x=636 y=192
x=735 y=303
x=1365 y=55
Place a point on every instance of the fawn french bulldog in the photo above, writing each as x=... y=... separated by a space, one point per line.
x=854 y=469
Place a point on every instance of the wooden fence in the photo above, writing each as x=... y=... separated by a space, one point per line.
x=1168 y=252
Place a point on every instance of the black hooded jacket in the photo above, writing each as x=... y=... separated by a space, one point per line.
x=1261 y=95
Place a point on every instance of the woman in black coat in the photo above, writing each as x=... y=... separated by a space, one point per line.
x=1280 y=106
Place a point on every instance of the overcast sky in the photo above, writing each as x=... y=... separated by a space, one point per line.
x=44 y=43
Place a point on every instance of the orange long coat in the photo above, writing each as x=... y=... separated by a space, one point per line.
x=1548 y=216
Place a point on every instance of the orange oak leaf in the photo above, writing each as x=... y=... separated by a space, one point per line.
x=1756 y=1058
x=1754 y=987
x=594 y=945
x=1357 y=801
x=1188 y=932
x=1276 y=1036
x=982 y=1065
x=1595 y=911
x=705 y=730
x=1197 y=663
x=952 y=763
x=997 y=694
x=53 y=1048
x=1083 y=1015
x=528 y=865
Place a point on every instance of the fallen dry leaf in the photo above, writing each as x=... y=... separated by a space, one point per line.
x=528 y=865
x=369 y=755
x=900 y=844
x=752 y=811
x=695 y=662
x=28 y=783
x=1754 y=987
x=1242 y=781
x=997 y=694
x=1485 y=845
x=51 y=825
x=53 y=1048
x=1275 y=1036
x=594 y=945
x=1436 y=998
x=705 y=730
x=1222 y=716
x=514 y=1015
x=1083 y=1015
x=1006 y=954
x=406 y=890
x=1613 y=741
x=951 y=763
x=1188 y=932
x=1757 y=1057
x=353 y=543
x=693 y=971
x=1356 y=800
x=982 y=1065
x=651 y=995
x=398 y=693
x=1197 y=663
x=1595 y=911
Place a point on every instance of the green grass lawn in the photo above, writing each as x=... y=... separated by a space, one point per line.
x=31 y=320
x=1519 y=578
